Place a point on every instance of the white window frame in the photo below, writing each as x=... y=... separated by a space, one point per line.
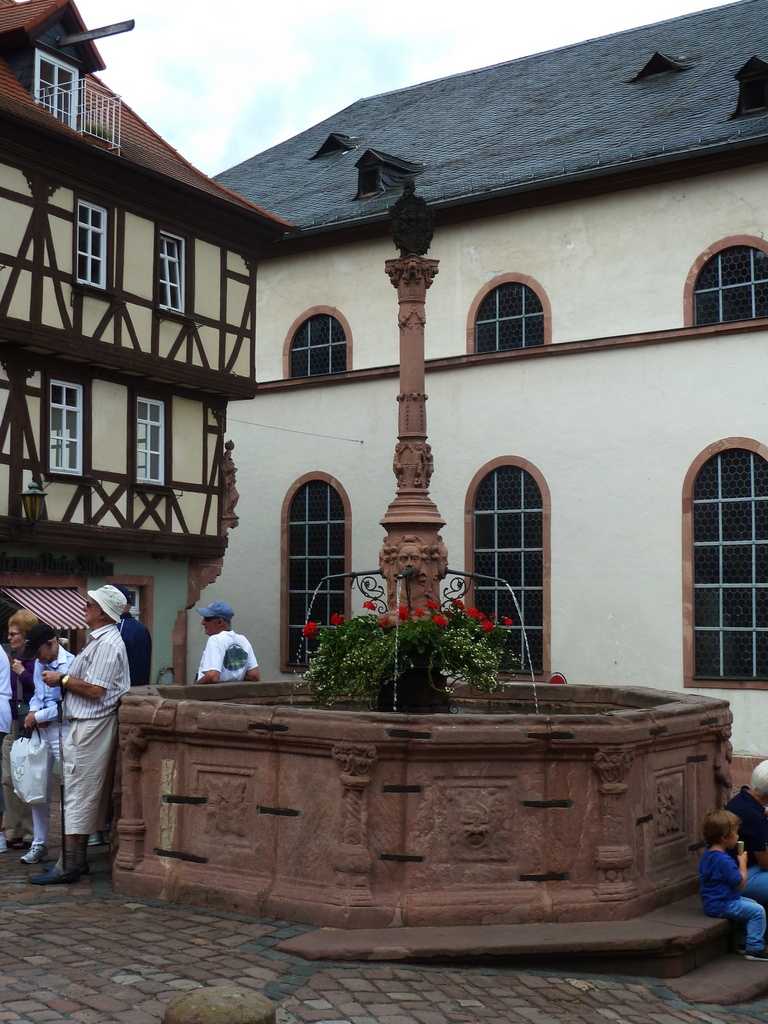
x=171 y=253
x=65 y=444
x=59 y=99
x=92 y=244
x=150 y=441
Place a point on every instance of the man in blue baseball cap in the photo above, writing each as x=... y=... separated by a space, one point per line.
x=228 y=656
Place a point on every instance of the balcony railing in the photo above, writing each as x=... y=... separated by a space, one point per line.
x=86 y=107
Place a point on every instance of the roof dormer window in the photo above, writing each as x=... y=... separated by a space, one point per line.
x=379 y=172
x=661 y=64
x=56 y=87
x=753 y=86
x=335 y=143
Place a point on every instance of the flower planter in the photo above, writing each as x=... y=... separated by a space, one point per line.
x=417 y=692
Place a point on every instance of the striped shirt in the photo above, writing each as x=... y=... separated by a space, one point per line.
x=102 y=662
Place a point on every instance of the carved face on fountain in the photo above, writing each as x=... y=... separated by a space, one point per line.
x=475 y=824
x=409 y=557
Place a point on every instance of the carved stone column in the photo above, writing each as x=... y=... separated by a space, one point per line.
x=413 y=548
x=615 y=855
x=131 y=827
x=351 y=860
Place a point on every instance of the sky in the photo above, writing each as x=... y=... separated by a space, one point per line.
x=222 y=80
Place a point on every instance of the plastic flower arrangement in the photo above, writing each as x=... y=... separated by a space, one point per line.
x=355 y=658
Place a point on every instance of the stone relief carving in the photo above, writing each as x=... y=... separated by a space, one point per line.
x=351 y=859
x=413 y=416
x=411 y=273
x=420 y=565
x=225 y=807
x=669 y=805
x=467 y=824
x=413 y=464
x=613 y=767
x=412 y=222
x=356 y=761
x=131 y=825
x=722 y=768
x=229 y=492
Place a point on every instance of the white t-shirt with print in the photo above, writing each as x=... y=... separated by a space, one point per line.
x=230 y=654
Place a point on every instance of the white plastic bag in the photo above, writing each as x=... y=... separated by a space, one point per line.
x=29 y=768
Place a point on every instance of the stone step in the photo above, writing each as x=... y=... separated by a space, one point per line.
x=665 y=943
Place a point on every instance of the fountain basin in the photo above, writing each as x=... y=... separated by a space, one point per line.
x=244 y=798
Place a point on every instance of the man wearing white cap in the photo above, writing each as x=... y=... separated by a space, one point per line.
x=92 y=689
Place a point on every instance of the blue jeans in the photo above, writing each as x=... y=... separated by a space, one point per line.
x=751 y=918
x=757 y=885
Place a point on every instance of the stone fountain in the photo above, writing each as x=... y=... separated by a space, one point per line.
x=244 y=797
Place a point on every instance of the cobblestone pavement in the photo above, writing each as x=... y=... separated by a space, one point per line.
x=80 y=953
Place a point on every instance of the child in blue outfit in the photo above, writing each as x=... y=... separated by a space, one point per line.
x=722 y=878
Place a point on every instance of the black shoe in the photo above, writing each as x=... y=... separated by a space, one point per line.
x=54 y=876
x=756 y=954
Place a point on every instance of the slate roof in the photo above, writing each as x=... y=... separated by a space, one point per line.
x=140 y=145
x=539 y=120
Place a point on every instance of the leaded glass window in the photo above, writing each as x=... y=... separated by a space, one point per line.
x=508 y=542
x=730 y=541
x=511 y=316
x=319 y=346
x=315 y=551
x=733 y=285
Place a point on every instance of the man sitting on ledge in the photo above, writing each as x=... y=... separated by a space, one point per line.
x=228 y=657
x=749 y=805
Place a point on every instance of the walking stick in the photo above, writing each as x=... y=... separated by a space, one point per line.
x=59 y=716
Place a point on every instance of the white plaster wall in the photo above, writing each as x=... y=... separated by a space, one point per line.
x=610 y=265
x=613 y=433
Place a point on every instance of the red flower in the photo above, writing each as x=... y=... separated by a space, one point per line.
x=488 y=626
x=418 y=612
x=337 y=619
x=433 y=605
x=507 y=621
x=403 y=614
x=475 y=613
x=383 y=623
x=369 y=605
x=440 y=620
x=458 y=603
x=310 y=630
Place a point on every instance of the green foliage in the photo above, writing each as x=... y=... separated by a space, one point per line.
x=355 y=659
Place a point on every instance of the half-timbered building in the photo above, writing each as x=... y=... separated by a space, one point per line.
x=127 y=304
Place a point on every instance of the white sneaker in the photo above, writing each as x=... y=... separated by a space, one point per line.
x=3 y=844
x=95 y=839
x=37 y=853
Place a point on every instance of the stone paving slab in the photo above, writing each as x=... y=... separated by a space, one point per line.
x=82 y=954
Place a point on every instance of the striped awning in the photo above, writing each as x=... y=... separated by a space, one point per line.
x=59 y=607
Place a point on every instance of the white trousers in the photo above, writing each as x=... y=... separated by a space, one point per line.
x=89 y=769
x=41 y=813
